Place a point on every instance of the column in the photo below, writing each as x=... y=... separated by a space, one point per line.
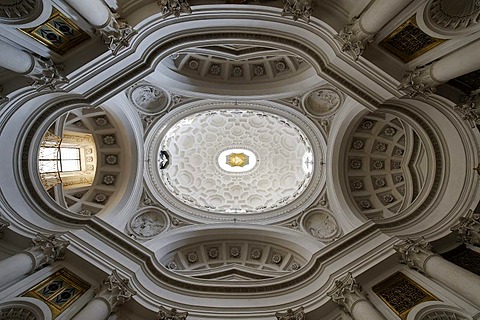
x=417 y=255
x=115 y=32
x=348 y=294
x=173 y=314
x=44 y=250
x=356 y=35
x=113 y=292
x=291 y=314
x=423 y=80
x=43 y=72
x=3 y=223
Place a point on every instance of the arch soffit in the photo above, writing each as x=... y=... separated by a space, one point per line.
x=157 y=40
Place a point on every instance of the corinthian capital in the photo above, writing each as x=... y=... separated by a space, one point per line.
x=45 y=73
x=419 y=82
x=414 y=253
x=346 y=292
x=468 y=228
x=174 y=7
x=291 y=315
x=173 y=314
x=298 y=9
x=469 y=108
x=46 y=249
x=116 y=33
x=115 y=291
x=354 y=39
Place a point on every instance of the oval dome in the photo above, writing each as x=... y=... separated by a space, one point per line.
x=234 y=160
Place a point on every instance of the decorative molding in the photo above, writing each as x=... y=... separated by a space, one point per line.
x=147 y=98
x=408 y=41
x=414 y=253
x=45 y=73
x=354 y=39
x=172 y=314
x=291 y=314
x=116 y=33
x=346 y=292
x=468 y=228
x=469 y=109
x=419 y=82
x=298 y=9
x=115 y=290
x=452 y=17
x=174 y=7
x=147 y=223
x=46 y=249
x=20 y=11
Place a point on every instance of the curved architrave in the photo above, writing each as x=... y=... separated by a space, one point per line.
x=32 y=306
x=438 y=212
x=289 y=238
x=163 y=39
x=423 y=309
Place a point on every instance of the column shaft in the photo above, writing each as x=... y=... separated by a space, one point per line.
x=466 y=283
x=96 y=309
x=94 y=11
x=15 y=59
x=457 y=63
x=364 y=310
x=380 y=13
x=15 y=267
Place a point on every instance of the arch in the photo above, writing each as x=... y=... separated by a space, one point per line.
x=434 y=310
x=25 y=308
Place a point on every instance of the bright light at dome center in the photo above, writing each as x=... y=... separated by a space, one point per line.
x=231 y=160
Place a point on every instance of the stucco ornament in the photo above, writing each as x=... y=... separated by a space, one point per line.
x=45 y=73
x=468 y=228
x=115 y=290
x=346 y=292
x=148 y=98
x=298 y=314
x=453 y=17
x=321 y=102
x=173 y=314
x=321 y=225
x=469 y=109
x=116 y=33
x=46 y=249
x=414 y=253
x=419 y=82
x=298 y=9
x=148 y=224
x=174 y=7
x=19 y=11
x=354 y=39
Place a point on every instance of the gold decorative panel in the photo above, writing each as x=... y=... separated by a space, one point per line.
x=237 y=160
x=408 y=41
x=58 y=33
x=401 y=294
x=59 y=291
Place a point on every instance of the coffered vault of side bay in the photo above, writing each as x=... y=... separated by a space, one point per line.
x=234 y=162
